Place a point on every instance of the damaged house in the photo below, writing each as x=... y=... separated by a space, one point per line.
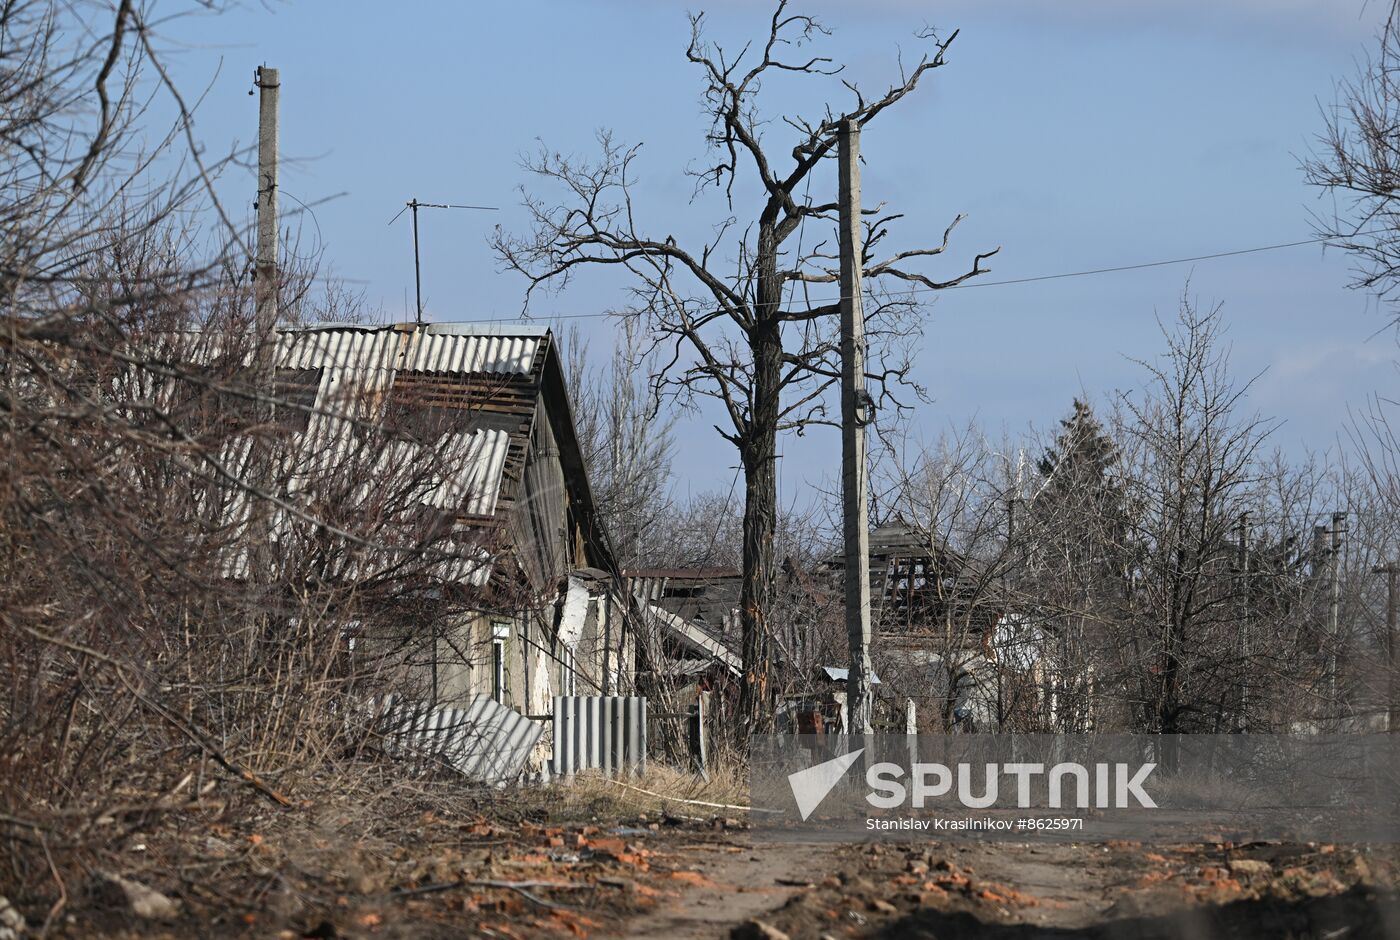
x=946 y=635
x=687 y=619
x=528 y=605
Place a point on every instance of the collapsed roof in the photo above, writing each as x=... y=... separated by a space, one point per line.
x=480 y=396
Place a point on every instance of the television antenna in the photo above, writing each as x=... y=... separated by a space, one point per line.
x=415 y=205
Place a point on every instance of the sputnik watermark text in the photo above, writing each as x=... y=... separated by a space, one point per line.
x=1114 y=785
x=975 y=824
x=1146 y=787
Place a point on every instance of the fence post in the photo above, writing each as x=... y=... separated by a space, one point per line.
x=641 y=736
x=698 y=760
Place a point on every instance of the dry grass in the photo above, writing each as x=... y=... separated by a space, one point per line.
x=1205 y=791
x=660 y=790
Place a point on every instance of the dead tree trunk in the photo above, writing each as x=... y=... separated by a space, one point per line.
x=759 y=455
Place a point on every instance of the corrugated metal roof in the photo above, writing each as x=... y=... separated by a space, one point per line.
x=356 y=362
x=339 y=348
x=493 y=355
x=481 y=459
x=370 y=351
x=470 y=565
x=693 y=636
x=457 y=348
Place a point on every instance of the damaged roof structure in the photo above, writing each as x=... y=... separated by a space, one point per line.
x=918 y=584
x=693 y=616
x=499 y=393
x=945 y=631
x=485 y=411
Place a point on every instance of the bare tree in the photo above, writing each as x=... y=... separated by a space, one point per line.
x=1193 y=458
x=1357 y=162
x=722 y=313
x=1075 y=567
x=627 y=443
x=1177 y=564
x=1370 y=485
x=966 y=625
x=134 y=649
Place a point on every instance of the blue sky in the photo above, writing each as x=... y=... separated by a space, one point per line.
x=1079 y=134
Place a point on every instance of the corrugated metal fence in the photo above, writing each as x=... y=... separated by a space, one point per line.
x=484 y=741
x=604 y=732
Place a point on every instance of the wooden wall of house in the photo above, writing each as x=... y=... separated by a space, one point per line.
x=544 y=533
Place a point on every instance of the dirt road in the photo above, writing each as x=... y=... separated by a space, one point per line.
x=737 y=882
x=1023 y=891
x=440 y=870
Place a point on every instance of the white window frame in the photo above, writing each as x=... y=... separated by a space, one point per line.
x=500 y=666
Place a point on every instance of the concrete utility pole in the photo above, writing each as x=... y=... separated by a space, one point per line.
x=265 y=272
x=265 y=314
x=1245 y=598
x=1391 y=571
x=855 y=414
x=1334 y=604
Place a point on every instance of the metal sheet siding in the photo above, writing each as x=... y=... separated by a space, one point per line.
x=484 y=741
x=599 y=732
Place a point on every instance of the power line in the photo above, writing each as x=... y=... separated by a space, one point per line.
x=1136 y=267
x=1003 y=283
